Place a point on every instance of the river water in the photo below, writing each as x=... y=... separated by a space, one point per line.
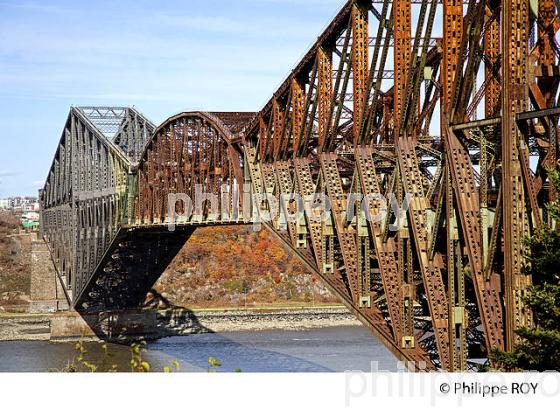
x=333 y=349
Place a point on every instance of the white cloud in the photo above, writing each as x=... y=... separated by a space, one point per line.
x=260 y=29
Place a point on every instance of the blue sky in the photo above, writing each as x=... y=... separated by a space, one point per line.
x=160 y=56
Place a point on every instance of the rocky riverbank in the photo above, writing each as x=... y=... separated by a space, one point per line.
x=186 y=322
x=25 y=327
x=179 y=321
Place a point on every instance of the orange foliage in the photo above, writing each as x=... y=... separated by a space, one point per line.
x=220 y=266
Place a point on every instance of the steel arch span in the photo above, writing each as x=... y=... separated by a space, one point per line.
x=449 y=107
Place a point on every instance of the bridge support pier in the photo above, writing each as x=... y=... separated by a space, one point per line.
x=47 y=294
x=109 y=326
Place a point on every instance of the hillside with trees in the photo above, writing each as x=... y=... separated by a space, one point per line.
x=231 y=266
x=15 y=271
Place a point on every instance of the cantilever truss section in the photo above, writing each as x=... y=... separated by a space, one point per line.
x=437 y=118
x=462 y=134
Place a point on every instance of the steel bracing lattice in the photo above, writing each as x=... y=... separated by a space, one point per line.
x=448 y=106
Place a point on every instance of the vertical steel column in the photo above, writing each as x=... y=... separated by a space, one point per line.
x=278 y=125
x=515 y=38
x=546 y=32
x=298 y=106
x=456 y=282
x=325 y=86
x=263 y=138
x=360 y=62
x=491 y=68
x=402 y=29
x=452 y=36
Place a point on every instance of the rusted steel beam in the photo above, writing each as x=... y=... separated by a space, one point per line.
x=468 y=204
x=452 y=36
x=263 y=138
x=277 y=128
x=492 y=61
x=346 y=240
x=431 y=269
x=463 y=192
x=360 y=62
x=402 y=31
x=325 y=92
x=546 y=32
x=298 y=102
x=385 y=252
x=515 y=14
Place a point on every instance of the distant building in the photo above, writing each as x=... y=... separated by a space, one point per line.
x=20 y=204
x=30 y=216
x=30 y=226
x=30 y=220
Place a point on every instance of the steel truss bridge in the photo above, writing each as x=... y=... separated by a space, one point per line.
x=452 y=103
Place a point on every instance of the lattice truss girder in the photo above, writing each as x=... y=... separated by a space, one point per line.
x=435 y=130
x=85 y=195
x=449 y=108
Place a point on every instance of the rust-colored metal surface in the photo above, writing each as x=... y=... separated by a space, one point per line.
x=433 y=179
